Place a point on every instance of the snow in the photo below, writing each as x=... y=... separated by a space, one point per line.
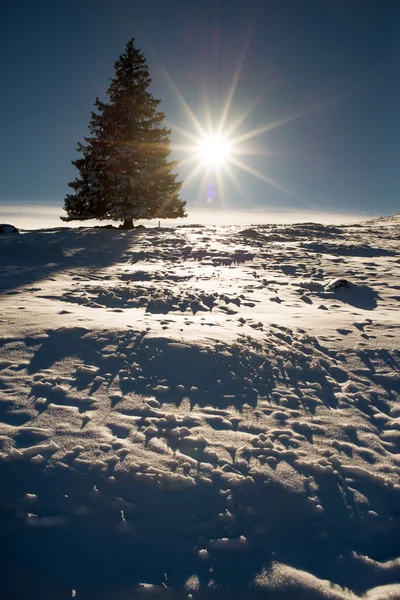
x=201 y=412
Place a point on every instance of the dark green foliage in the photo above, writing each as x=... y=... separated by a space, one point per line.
x=124 y=171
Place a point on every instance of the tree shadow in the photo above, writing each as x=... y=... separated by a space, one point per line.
x=38 y=255
x=61 y=343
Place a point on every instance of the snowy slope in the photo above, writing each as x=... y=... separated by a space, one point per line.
x=194 y=412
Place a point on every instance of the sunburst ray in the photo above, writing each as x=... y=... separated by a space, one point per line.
x=194 y=173
x=232 y=176
x=242 y=117
x=195 y=121
x=262 y=177
x=294 y=117
x=182 y=131
x=188 y=160
x=233 y=86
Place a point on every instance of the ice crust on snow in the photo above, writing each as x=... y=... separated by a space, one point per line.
x=180 y=429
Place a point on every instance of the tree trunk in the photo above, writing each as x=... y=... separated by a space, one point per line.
x=128 y=223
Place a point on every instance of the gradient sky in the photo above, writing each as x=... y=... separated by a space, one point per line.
x=58 y=55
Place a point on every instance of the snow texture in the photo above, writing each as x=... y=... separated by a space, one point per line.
x=201 y=412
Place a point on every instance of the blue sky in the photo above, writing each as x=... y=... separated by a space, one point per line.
x=343 y=55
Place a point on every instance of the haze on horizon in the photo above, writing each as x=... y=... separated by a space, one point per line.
x=36 y=216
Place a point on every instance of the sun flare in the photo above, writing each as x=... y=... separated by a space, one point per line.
x=215 y=147
x=214 y=150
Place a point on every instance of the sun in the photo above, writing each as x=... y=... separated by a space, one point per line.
x=214 y=150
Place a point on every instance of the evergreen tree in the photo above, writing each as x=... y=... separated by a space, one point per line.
x=124 y=171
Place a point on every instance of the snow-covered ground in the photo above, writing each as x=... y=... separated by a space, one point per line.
x=193 y=412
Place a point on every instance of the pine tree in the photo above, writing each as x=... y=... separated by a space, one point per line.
x=125 y=174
